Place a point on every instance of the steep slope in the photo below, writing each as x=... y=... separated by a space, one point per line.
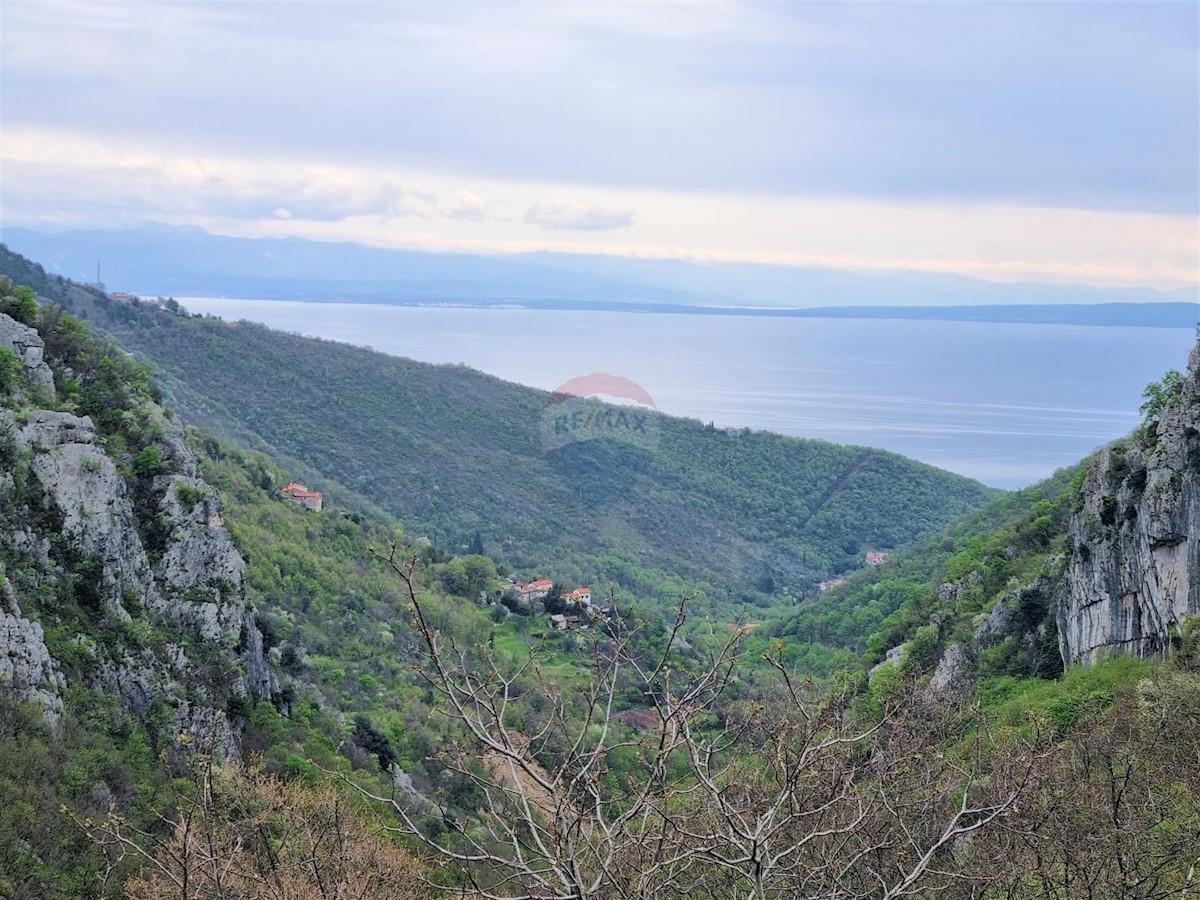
x=108 y=526
x=1134 y=570
x=1101 y=559
x=455 y=454
x=125 y=635
x=122 y=593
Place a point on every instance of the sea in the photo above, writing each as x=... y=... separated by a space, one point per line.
x=1007 y=404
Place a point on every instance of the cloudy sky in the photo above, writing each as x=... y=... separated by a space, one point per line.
x=1045 y=141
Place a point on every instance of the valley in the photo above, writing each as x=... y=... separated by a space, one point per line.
x=325 y=637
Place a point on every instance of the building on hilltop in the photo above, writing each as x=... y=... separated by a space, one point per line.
x=300 y=493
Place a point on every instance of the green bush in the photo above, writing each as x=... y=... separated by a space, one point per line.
x=19 y=302
x=189 y=496
x=147 y=463
x=10 y=370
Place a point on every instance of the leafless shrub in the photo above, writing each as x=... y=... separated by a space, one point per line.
x=792 y=797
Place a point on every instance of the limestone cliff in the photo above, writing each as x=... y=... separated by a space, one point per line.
x=1134 y=567
x=118 y=577
x=29 y=348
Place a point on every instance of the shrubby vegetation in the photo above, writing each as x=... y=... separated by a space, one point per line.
x=641 y=759
x=998 y=554
x=456 y=455
x=1027 y=791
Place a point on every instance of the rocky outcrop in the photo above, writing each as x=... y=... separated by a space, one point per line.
x=261 y=679
x=994 y=626
x=29 y=347
x=25 y=661
x=153 y=551
x=201 y=569
x=82 y=484
x=1134 y=568
x=955 y=670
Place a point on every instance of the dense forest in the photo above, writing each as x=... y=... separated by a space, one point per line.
x=458 y=457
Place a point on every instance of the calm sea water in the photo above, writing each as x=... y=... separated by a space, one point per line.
x=1007 y=404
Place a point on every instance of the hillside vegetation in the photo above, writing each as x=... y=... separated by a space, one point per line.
x=1099 y=559
x=954 y=575
x=458 y=457
x=393 y=728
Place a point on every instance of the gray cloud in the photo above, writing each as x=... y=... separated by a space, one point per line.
x=1078 y=105
x=139 y=185
x=574 y=216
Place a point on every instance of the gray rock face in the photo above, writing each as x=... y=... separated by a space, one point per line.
x=953 y=591
x=84 y=485
x=25 y=661
x=29 y=347
x=954 y=670
x=995 y=626
x=195 y=582
x=201 y=569
x=260 y=678
x=1134 y=568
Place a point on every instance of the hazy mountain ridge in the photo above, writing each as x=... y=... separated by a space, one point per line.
x=189 y=261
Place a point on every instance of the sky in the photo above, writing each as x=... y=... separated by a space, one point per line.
x=1051 y=141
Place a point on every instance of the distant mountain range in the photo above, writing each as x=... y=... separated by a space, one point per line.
x=183 y=262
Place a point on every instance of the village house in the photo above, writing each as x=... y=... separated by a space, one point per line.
x=300 y=493
x=529 y=591
x=578 y=597
x=558 y=622
x=876 y=557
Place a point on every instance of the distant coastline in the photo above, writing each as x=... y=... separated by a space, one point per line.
x=1125 y=315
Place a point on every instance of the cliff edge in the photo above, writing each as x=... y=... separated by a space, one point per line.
x=1133 y=573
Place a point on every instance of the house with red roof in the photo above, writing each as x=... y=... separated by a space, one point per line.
x=528 y=591
x=300 y=493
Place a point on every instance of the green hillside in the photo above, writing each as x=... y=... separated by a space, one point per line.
x=456 y=455
x=1083 y=551
x=985 y=557
x=1091 y=773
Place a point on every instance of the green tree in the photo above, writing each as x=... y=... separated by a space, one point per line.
x=481 y=574
x=10 y=370
x=19 y=302
x=147 y=463
x=1158 y=394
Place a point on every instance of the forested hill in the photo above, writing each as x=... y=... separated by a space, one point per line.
x=458 y=455
x=1102 y=558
